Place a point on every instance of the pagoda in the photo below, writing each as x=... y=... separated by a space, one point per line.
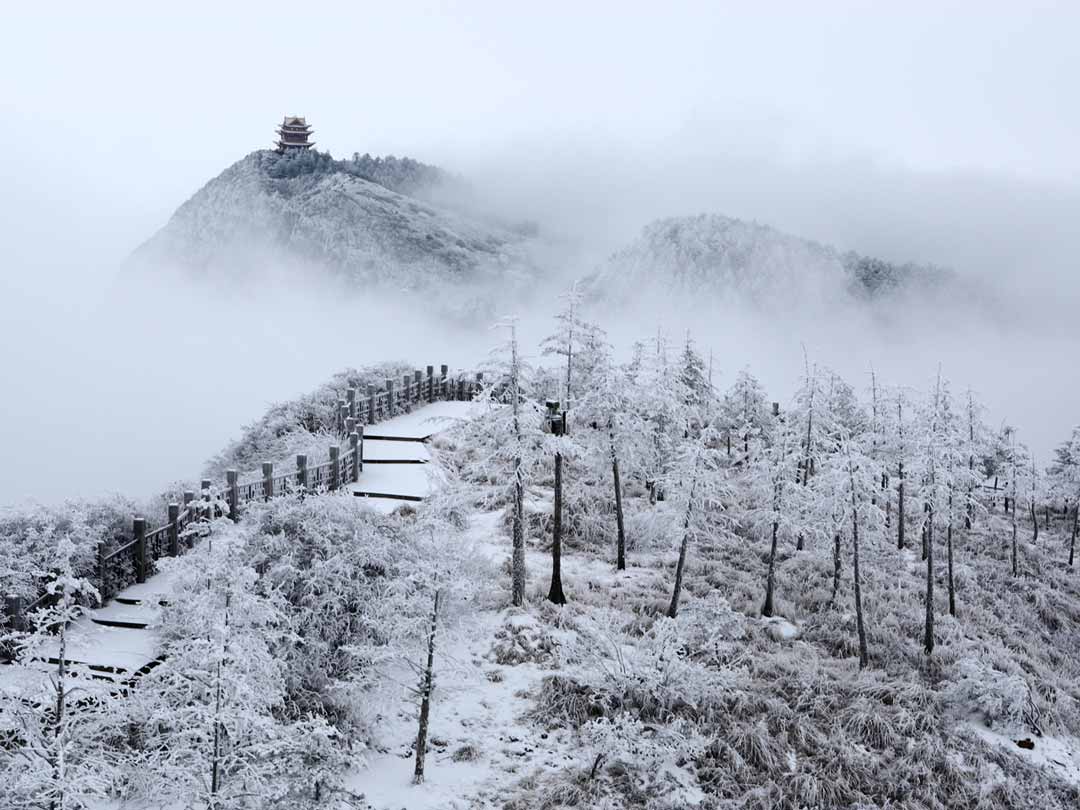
x=293 y=134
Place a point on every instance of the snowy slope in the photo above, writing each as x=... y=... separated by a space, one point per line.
x=710 y=253
x=269 y=211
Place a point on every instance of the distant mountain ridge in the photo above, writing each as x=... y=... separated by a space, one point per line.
x=366 y=220
x=711 y=253
x=401 y=224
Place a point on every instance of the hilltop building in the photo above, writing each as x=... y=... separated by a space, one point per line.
x=293 y=134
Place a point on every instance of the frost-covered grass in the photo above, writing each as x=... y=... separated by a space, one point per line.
x=722 y=708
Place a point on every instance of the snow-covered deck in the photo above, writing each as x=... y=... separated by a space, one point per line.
x=421 y=423
x=114 y=642
x=395 y=470
x=119 y=640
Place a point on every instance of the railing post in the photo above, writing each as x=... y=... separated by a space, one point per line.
x=342 y=406
x=335 y=467
x=354 y=441
x=301 y=471
x=268 y=480
x=102 y=573
x=139 y=529
x=406 y=394
x=418 y=383
x=431 y=383
x=174 y=529
x=231 y=482
x=359 y=450
x=350 y=397
x=13 y=609
x=444 y=392
x=372 y=418
x=205 y=485
x=390 y=398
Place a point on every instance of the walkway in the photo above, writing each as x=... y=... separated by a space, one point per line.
x=118 y=641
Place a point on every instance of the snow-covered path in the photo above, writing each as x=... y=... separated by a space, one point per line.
x=118 y=640
x=421 y=423
x=394 y=466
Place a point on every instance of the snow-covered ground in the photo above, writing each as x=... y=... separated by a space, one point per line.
x=378 y=450
x=1060 y=755
x=424 y=421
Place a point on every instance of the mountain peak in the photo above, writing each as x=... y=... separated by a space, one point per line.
x=365 y=220
x=707 y=253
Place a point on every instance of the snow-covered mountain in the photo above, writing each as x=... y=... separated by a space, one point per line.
x=365 y=220
x=400 y=224
x=710 y=254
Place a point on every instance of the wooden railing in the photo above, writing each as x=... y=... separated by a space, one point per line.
x=132 y=560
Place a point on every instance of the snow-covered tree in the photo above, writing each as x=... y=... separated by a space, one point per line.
x=62 y=718
x=746 y=414
x=664 y=403
x=619 y=435
x=509 y=440
x=700 y=476
x=1064 y=483
x=777 y=496
x=693 y=377
x=210 y=737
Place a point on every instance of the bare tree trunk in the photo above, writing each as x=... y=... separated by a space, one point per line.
x=58 y=717
x=767 y=608
x=1015 y=568
x=517 y=596
x=900 y=514
x=425 y=695
x=969 y=517
x=1075 y=530
x=555 y=592
x=926 y=512
x=836 y=567
x=948 y=540
x=900 y=509
x=864 y=657
x=1034 y=490
x=673 y=608
x=620 y=547
x=518 y=562
x=928 y=635
x=215 y=770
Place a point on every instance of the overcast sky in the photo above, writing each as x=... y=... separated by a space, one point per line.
x=135 y=107
x=936 y=131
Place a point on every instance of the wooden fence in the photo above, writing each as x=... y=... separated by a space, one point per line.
x=132 y=560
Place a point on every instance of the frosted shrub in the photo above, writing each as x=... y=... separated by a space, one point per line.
x=655 y=679
x=1001 y=699
x=29 y=536
x=312 y=418
x=627 y=739
x=648 y=529
x=710 y=625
